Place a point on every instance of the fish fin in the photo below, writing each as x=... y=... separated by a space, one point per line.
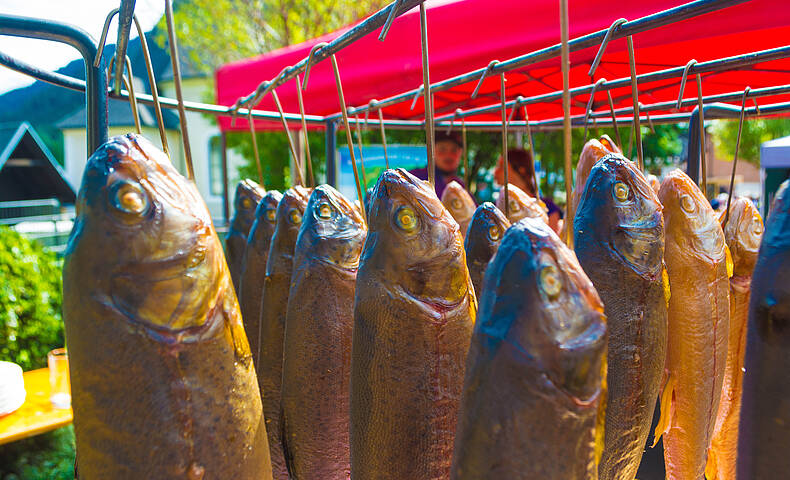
x=666 y=404
x=665 y=282
x=710 y=466
x=730 y=266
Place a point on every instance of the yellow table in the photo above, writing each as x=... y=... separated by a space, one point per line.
x=36 y=415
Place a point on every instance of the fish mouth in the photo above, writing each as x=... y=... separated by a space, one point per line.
x=639 y=246
x=440 y=283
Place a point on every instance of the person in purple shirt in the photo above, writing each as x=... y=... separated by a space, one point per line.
x=448 y=149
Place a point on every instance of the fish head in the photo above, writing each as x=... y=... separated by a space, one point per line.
x=289 y=217
x=654 y=183
x=416 y=240
x=458 y=202
x=521 y=205
x=621 y=210
x=538 y=298
x=266 y=215
x=690 y=220
x=147 y=239
x=245 y=202
x=609 y=144
x=333 y=230
x=486 y=230
x=743 y=234
x=592 y=151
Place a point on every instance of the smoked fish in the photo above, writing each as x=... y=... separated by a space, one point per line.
x=317 y=351
x=592 y=151
x=414 y=311
x=245 y=203
x=697 y=261
x=521 y=205
x=536 y=368
x=764 y=438
x=460 y=204
x=274 y=306
x=619 y=241
x=162 y=379
x=485 y=232
x=253 y=272
x=742 y=233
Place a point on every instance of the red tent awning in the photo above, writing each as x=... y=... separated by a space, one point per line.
x=465 y=35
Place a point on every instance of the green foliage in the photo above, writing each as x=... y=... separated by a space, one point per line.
x=755 y=131
x=205 y=28
x=30 y=300
x=44 y=457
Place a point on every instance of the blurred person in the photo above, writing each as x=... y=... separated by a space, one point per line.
x=520 y=174
x=448 y=148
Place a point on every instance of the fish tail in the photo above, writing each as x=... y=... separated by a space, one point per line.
x=711 y=468
x=667 y=397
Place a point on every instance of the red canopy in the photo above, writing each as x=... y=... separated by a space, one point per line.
x=465 y=35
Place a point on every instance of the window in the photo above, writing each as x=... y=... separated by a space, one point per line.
x=215 y=165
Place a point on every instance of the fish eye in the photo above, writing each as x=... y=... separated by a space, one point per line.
x=295 y=216
x=550 y=281
x=324 y=211
x=621 y=191
x=271 y=214
x=129 y=197
x=757 y=226
x=406 y=219
x=246 y=203
x=494 y=233
x=513 y=205
x=456 y=204
x=687 y=204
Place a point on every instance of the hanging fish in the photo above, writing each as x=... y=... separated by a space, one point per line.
x=654 y=183
x=317 y=351
x=619 y=241
x=482 y=240
x=697 y=262
x=742 y=232
x=413 y=316
x=521 y=205
x=460 y=204
x=253 y=273
x=536 y=369
x=245 y=202
x=276 y=286
x=162 y=378
x=764 y=438
x=607 y=142
x=593 y=151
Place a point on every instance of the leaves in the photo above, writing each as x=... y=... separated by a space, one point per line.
x=755 y=132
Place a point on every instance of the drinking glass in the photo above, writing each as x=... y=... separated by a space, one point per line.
x=60 y=393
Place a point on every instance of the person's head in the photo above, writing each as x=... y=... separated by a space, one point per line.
x=448 y=149
x=520 y=168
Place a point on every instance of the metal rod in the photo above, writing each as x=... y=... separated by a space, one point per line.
x=614 y=120
x=505 y=164
x=309 y=158
x=361 y=155
x=342 y=100
x=330 y=146
x=53 y=78
x=426 y=81
x=704 y=184
x=152 y=84
x=182 y=114
x=683 y=78
x=566 y=124
x=590 y=103
x=735 y=158
x=635 y=97
x=466 y=153
x=298 y=164
x=604 y=44
x=255 y=153
x=383 y=139
x=532 y=152
x=390 y=18
x=130 y=88
x=124 y=29
x=483 y=76
x=309 y=62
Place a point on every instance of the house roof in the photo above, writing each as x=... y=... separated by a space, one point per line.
x=120 y=115
x=28 y=170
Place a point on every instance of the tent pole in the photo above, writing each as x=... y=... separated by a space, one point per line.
x=566 y=120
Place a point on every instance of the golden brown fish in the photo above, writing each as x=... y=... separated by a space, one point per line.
x=536 y=368
x=317 y=353
x=413 y=316
x=742 y=232
x=248 y=195
x=593 y=151
x=253 y=273
x=273 y=310
x=485 y=232
x=521 y=205
x=619 y=241
x=162 y=378
x=460 y=204
x=764 y=437
x=699 y=309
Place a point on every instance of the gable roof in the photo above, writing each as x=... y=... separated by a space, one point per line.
x=119 y=114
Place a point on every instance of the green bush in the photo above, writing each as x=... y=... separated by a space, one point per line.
x=44 y=457
x=30 y=301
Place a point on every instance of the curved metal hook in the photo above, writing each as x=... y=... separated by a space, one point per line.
x=486 y=72
x=683 y=79
x=590 y=102
x=649 y=122
x=598 y=56
x=735 y=156
x=417 y=95
x=516 y=104
x=129 y=83
x=390 y=18
x=309 y=63
x=103 y=38
x=371 y=105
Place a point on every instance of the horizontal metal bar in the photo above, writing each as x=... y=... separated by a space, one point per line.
x=53 y=78
x=676 y=14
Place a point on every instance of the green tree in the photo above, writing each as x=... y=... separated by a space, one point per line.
x=755 y=131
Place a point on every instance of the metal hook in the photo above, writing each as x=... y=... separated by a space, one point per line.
x=361 y=155
x=416 y=96
x=485 y=73
x=128 y=82
x=635 y=98
x=428 y=99
x=255 y=145
x=297 y=161
x=649 y=122
x=503 y=101
x=103 y=38
x=598 y=56
x=735 y=156
x=683 y=78
x=182 y=114
x=308 y=158
x=371 y=105
x=701 y=110
x=590 y=104
x=466 y=152
x=390 y=18
x=614 y=120
x=452 y=120
x=309 y=63
x=516 y=104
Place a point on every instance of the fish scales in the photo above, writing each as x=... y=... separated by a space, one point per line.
x=317 y=352
x=485 y=232
x=245 y=202
x=414 y=309
x=162 y=379
x=619 y=241
x=536 y=368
